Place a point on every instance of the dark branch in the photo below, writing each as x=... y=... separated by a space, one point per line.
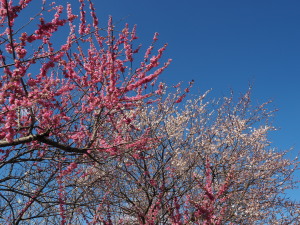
x=66 y=148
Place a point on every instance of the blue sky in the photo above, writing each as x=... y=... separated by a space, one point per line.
x=227 y=44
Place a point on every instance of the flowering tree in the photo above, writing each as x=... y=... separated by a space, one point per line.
x=64 y=107
x=211 y=163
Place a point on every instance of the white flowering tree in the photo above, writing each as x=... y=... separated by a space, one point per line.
x=212 y=163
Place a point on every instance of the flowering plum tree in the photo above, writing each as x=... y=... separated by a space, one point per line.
x=211 y=163
x=63 y=106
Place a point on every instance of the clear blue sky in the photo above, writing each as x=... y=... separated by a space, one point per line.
x=227 y=44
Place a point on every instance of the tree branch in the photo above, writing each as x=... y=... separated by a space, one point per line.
x=66 y=148
x=23 y=140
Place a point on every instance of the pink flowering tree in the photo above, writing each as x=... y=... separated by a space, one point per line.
x=65 y=89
